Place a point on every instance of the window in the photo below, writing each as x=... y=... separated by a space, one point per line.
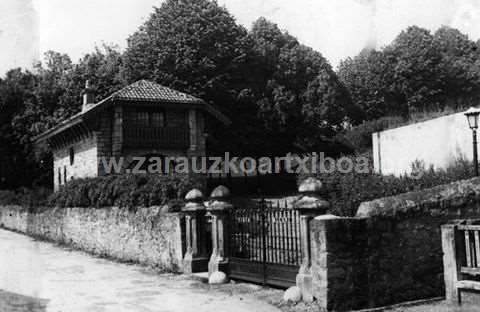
x=142 y=118
x=59 y=176
x=72 y=156
x=64 y=174
x=153 y=118
x=157 y=119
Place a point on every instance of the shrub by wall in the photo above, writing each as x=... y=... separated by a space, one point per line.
x=129 y=190
x=25 y=197
x=359 y=138
x=346 y=191
x=96 y=215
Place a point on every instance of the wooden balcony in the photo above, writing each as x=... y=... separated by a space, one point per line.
x=158 y=137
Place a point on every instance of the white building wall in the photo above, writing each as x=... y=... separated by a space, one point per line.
x=85 y=161
x=437 y=142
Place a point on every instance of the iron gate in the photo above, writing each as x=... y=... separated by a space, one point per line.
x=264 y=244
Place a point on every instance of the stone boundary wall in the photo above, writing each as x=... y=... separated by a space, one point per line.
x=147 y=236
x=391 y=251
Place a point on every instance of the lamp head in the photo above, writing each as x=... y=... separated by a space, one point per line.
x=472 y=116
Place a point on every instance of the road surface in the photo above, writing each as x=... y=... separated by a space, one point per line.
x=39 y=277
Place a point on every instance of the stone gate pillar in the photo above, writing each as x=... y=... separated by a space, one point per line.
x=309 y=206
x=196 y=257
x=218 y=211
x=451 y=268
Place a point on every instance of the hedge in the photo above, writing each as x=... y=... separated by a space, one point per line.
x=345 y=191
x=129 y=190
x=25 y=197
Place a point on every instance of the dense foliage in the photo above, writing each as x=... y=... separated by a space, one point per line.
x=281 y=95
x=31 y=102
x=268 y=83
x=359 y=138
x=417 y=72
x=25 y=197
x=123 y=191
x=345 y=191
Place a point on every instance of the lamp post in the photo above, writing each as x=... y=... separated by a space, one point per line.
x=472 y=116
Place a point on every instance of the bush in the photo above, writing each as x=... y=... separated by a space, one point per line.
x=25 y=197
x=345 y=192
x=131 y=190
x=359 y=138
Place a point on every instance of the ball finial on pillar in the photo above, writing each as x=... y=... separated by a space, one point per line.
x=310 y=199
x=220 y=197
x=194 y=199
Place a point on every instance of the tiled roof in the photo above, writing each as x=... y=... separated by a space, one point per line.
x=144 y=90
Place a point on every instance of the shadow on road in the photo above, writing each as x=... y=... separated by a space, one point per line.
x=12 y=302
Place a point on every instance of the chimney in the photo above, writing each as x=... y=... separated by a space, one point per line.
x=88 y=96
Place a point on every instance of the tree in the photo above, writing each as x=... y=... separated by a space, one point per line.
x=195 y=47
x=300 y=100
x=102 y=67
x=32 y=102
x=417 y=72
x=17 y=96
x=192 y=46
x=460 y=75
x=365 y=77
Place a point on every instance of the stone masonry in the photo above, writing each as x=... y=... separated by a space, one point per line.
x=391 y=251
x=84 y=162
x=148 y=236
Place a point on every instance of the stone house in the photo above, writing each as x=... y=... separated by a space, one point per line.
x=142 y=119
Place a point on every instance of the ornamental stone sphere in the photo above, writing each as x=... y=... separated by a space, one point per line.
x=310 y=201
x=220 y=192
x=194 y=200
x=194 y=195
x=310 y=185
x=219 y=199
x=293 y=294
x=218 y=278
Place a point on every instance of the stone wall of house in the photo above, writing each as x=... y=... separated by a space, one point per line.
x=84 y=161
x=391 y=251
x=148 y=236
x=437 y=142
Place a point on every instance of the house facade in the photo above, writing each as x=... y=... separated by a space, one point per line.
x=144 y=119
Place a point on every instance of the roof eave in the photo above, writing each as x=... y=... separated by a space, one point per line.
x=69 y=122
x=75 y=120
x=217 y=114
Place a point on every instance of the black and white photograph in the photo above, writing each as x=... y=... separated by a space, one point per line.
x=239 y=156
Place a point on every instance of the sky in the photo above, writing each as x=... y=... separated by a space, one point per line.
x=337 y=29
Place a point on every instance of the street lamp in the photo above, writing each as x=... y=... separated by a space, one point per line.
x=472 y=116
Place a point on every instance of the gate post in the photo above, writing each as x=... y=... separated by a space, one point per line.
x=195 y=259
x=309 y=206
x=451 y=268
x=218 y=210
